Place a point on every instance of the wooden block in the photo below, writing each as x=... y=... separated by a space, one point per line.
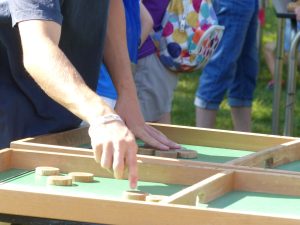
x=46 y=171
x=135 y=195
x=291 y=6
x=60 y=180
x=154 y=198
x=145 y=151
x=81 y=177
x=187 y=154
x=166 y=153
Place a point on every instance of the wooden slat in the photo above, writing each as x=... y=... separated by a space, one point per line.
x=204 y=191
x=272 y=157
x=180 y=134
x=158 y=172
x=221 y=138
x=71 y=138
x=50 y=148
x=267 y=183
x=5 y=159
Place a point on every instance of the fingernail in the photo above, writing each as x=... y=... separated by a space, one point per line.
x=133 y=183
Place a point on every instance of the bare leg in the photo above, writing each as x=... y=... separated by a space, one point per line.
x=205 y=118
x=269 y=52
x=241 y=117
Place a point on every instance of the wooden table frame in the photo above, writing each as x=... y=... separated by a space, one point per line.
x=176 y=209
x=259 y=143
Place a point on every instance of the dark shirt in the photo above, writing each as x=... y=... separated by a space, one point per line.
x=25 y=110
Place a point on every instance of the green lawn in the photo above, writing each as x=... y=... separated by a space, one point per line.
x=183 y=112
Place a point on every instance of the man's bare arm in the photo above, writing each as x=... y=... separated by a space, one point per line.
x=113 y=144
x=51 y=69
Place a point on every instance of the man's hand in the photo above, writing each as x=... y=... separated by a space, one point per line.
x=128 y=108
x=115 y=149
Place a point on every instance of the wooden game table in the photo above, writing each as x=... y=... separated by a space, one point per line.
x=193 y=193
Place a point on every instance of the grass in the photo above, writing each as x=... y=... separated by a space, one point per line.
x=183 y=111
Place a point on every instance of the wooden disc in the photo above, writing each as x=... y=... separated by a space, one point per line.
x=187 y=154
x=60 y=180
x=154 y=198
x=46 y=171
x=135 y=195
x=81 y=176
x=145 y=151
x=166 y=153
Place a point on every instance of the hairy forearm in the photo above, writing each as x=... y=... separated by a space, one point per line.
x=54 y=73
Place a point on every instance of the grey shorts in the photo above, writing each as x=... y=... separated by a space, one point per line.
x=155 y=87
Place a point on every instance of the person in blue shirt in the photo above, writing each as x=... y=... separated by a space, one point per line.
x=138 y=25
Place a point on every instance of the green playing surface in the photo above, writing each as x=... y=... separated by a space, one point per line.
x=240 y=201
x=292 y=166
x=102 y=187
x=216 y=155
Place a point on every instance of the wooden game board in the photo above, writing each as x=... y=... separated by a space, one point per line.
x=193 y=203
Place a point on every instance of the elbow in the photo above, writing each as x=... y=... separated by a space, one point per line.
x=35 y=59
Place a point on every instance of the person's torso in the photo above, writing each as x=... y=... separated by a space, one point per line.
x=82 y=32
x=133 y=32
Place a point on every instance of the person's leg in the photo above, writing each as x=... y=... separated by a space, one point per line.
x=155 y=88
x=241 y=91
x=219 y=73
x=241 y=117
x=269 y=53
x=205 y=118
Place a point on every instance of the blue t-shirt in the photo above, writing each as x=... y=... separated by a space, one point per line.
x=133 y=32
x=25 y=109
